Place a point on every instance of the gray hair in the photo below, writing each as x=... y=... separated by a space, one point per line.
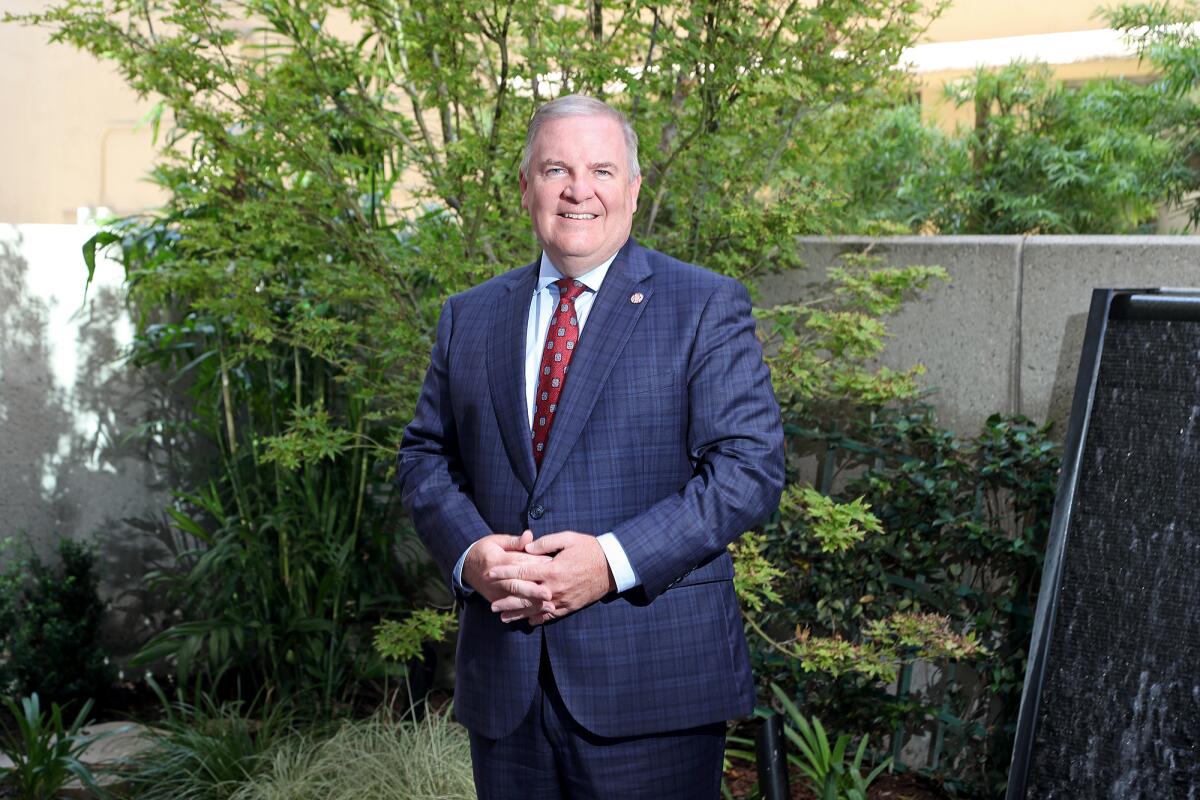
x=580 y=105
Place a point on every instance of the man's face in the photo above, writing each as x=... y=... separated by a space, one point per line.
x=578 y=193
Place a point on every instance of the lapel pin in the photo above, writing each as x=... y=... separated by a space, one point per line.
x=636 y=298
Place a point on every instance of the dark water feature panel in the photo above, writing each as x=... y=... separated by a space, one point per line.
x=1111 y=708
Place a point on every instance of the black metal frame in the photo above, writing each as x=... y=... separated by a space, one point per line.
x=1165 y=304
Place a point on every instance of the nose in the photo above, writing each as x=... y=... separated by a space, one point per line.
x=578 y=189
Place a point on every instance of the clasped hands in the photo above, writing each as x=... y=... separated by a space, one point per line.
x=538 y=579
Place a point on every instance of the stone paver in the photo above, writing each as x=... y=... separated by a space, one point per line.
x=118 y=741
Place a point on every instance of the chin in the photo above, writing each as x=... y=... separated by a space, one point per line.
x=575 y=248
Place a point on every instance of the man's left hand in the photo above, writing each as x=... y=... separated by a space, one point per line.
x=577 y=576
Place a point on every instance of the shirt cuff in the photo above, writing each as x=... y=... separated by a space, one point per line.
x=618 y=562
x=458 y=581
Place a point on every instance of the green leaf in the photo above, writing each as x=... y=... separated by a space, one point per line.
x=99 y=240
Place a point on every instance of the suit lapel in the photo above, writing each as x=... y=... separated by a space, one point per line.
x=506 y=372
x=608 y=328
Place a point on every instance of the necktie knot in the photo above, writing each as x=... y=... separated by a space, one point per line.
x=569 y=289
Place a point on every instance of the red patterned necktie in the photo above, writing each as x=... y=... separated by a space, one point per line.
x=560 y=344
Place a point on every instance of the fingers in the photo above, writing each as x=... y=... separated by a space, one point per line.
x=550 y=543
x=523 y=572
x=535 y=614
x=514 y=602
x=524 y=589
x=520 y=575
x=509 y=542
x=544 y=617
x=517 y=557
x=513 y=608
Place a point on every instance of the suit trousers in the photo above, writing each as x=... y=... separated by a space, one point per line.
x=551 y=757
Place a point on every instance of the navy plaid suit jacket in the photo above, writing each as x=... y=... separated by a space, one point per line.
x=667 y=434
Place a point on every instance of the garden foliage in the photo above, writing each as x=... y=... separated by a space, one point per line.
x=1166 y=38
x=50 y=637
x=919 y=546
x=379 y=757
x=959 y=529
x=822 y=764
x=1039 y=157
x=204 y=749
x=44 y=754
x=333 y=170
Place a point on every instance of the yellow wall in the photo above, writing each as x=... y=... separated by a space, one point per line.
x=69 y=130
x=985 y=19
x=969 y=21
x=940 y=110
x=70 y=135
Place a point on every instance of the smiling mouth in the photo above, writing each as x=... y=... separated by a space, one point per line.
x=577 y=216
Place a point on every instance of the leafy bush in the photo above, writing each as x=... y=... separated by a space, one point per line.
x=822 y=357
x=45 y=752
x=1046 y=158
x=824 y=767
x=1040 y=157
x=404 y=640
x=50 y=619
x=907 y=176
x=962 y=529
x=1165 y=36
x=326 y=192
x=376 y=758
x=204 y=750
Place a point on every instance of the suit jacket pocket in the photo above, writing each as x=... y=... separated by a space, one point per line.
x=641 y=382
x=717 y=568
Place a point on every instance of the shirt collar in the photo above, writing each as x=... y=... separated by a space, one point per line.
x=592 y=279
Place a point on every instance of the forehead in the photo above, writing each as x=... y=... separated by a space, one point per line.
x=591 y=137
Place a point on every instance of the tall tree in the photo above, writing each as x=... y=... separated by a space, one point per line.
x=335 y=168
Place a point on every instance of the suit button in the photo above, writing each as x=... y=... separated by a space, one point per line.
x=536 y=511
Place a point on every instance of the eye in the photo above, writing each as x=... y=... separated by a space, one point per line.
x=555 y=171
x=603 y=173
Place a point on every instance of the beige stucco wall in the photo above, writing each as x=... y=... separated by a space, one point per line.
x=70 y=135
x=985 y=19
x=939 y=109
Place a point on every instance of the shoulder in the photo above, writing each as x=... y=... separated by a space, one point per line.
x=673 y=275
x=488 y=292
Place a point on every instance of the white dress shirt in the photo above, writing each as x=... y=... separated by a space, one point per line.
x=541 y=311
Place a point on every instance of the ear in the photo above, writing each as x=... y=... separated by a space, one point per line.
x=635 y=186
x=524 y=184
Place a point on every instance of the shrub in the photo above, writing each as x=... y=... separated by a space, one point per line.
x=823 y=766
x=325 y=195
x=1166 y=38
x=45 y=752
x=204 y=750
x=961 y=533
x=377 y=758
x=1040 y=156
x=50 y=619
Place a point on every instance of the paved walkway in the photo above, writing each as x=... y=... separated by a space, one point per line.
x=117 y=741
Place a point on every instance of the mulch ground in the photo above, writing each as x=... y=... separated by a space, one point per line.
x=741 y=779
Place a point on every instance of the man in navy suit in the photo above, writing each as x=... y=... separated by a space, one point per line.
x=594 y=429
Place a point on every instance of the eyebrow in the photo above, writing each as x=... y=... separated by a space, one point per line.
x=554 y=162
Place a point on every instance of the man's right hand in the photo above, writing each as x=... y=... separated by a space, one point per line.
x=503 y=549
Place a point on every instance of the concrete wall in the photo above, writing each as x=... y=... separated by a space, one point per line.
x=68 y=465
x=1005 y=333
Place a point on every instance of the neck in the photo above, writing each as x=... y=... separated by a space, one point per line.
x=572 y=267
